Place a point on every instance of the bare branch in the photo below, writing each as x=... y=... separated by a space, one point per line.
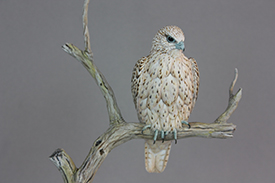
x=65 y=165
x=113 y=110
x=233 y=101
x=119 y=131
x=86 y=30
x=119 y=134
x=86 y=59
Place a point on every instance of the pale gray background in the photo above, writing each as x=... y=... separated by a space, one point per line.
x=48 y=100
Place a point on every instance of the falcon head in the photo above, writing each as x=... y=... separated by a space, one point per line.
x=167 y=39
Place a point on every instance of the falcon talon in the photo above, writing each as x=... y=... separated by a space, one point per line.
x=145 y=127
x=185 y=122
x=175 y=136
x=162 y=135
x=155 y=136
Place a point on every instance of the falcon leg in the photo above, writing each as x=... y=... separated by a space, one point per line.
x=185 y=122
x=175 y=136
x=145 y=127
x=155 y=136
x=162 y=135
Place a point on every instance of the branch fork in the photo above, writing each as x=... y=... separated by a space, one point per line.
x=121 y=131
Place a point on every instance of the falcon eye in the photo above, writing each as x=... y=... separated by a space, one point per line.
x=170 y=39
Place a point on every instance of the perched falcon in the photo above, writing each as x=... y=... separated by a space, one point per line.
x=165 y=88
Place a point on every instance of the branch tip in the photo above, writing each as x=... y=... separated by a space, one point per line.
x=233 y=82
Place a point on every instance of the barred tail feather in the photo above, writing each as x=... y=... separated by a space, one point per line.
x=156 y=155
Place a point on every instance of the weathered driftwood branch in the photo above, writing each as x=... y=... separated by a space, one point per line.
x=119 y=131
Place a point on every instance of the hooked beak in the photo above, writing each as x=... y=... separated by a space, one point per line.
x=180 y=46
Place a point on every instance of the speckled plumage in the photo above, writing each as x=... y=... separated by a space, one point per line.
x=165 y=88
